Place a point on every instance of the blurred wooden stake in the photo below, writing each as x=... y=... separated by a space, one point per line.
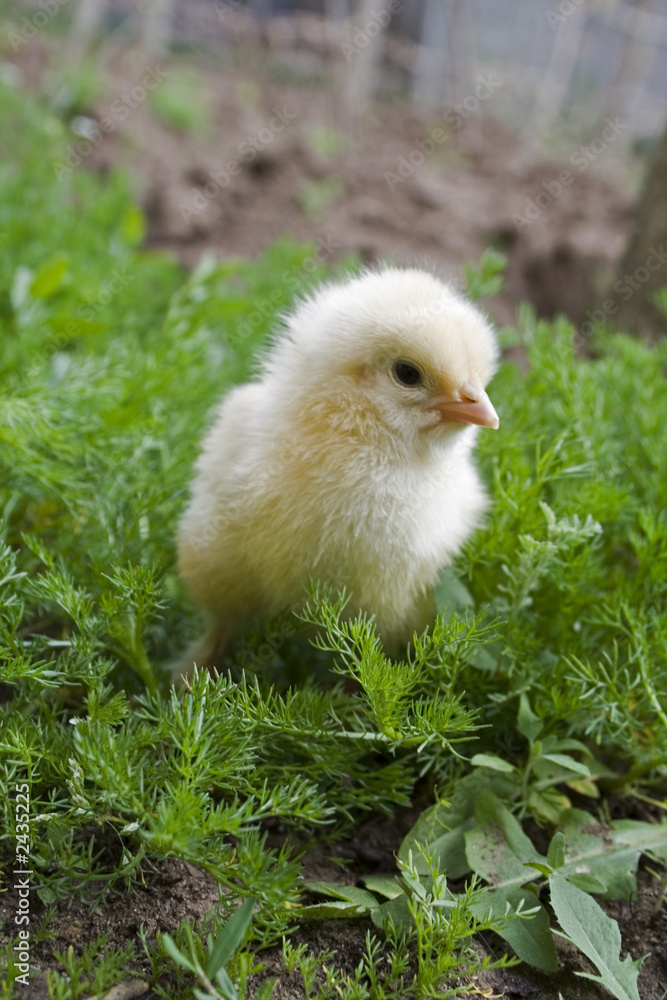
x=363 y=53
x=430 y=69
x=636 y=64
x=157 y=26
x=337 y=13
x=87 y=22
x=552 y=95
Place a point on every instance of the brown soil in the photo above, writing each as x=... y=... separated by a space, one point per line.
x=465 y=196
x=171 y=891
x=460 y=200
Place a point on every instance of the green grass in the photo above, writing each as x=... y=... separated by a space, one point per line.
x=544 y=677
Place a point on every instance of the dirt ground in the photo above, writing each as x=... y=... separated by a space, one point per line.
x=281 y=156
x=360 y=188
x=171 y=891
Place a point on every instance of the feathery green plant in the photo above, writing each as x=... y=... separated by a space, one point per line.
x=544 y=675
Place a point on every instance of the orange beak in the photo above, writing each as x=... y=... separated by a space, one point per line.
x=471 y=405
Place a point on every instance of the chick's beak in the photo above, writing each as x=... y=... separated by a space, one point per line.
x=470 y=405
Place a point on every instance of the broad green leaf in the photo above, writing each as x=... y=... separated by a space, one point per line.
x=595 y=934
x=49 y=276
x=568 y=762
x=492 y=761
x=361 y=898
x=610 y=854
x=531 y=938
x=549 y=804
x=584 y=786
x=332 y=910
x=486 y=658
x=589 y=883
x=450 y=852
x=497 y=848
x=170 y=947
x=646 y=836
x=450 y=594
x=443 y=817
x=590 y=850
x=225 y=985
x=383 y=885
x=528 y=724
x=556 y=852
x=553 y=745
x=500 y=852
x=397 y=909
x=442 y=827
x=542 y=869
x=47 y=895
x=448 y=848
x=230 y=938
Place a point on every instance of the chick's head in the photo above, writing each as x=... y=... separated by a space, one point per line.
x=395 y=352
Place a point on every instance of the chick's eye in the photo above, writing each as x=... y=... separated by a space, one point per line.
x=407 y=374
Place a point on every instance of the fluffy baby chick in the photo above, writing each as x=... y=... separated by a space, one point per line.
x=348 y=459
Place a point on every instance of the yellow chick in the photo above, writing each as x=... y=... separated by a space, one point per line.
x=347 y=460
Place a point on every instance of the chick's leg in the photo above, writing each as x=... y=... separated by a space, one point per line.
x=397 y=636
x=207 y=653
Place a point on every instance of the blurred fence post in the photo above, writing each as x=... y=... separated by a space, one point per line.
x=591 y=58
x=87 y=22
x=364 y=53
x=639 y=51
x=641 y=274
x=552 y=94
x=442 y=66
x=337 y=15
x=429 y=66
x=157 y=26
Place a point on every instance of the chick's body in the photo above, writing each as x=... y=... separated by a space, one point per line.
x=349 y=460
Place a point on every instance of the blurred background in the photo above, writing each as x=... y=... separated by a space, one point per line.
x=418 y=130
